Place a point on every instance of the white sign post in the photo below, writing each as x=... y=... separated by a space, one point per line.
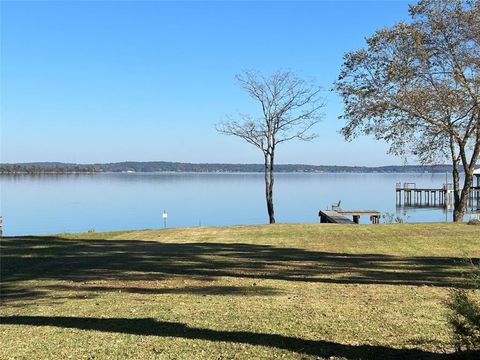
x=165 y=216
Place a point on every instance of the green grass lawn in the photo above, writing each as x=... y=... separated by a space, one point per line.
x=254 y=292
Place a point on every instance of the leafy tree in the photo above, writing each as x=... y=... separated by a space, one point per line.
x=290 y=107
x=416 y=85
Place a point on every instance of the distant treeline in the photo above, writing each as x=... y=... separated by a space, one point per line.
x=46 y=167
x=164 y=166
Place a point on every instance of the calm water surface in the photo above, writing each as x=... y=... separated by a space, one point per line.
x=73 y=203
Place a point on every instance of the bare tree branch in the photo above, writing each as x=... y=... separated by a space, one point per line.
x=291 y=107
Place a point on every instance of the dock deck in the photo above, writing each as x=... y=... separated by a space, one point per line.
x=333 y=217
x=409 y=195
x=339 y=216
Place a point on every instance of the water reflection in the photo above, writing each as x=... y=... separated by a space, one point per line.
x=35 y=204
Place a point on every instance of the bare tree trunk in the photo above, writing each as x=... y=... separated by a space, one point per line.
x=271 y=212
x=468 y=168
x=457 y=215
x=461 y=207
x=269 y=186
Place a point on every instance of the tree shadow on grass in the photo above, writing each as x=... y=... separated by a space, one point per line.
x=152 y=327
x=195 y=290
x=78 y=260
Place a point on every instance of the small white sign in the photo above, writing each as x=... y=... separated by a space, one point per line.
x=165 y=215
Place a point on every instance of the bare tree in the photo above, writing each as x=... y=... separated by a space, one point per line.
x=417 y=86
x=290 y=107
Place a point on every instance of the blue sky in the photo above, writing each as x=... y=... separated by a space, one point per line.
x=109 y=81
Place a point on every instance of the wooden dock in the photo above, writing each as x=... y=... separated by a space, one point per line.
x=474 y=198
x=408 y=195
x=333 y=217
x=340 y=216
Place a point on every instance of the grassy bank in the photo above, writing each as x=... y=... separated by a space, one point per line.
x=283 y=291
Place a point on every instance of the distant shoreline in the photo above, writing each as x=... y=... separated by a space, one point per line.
x=213 y=173
x=212 y=168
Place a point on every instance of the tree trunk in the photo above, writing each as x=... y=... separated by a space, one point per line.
x=457 y=213
x=269 y=187
x=461 y=202
x=461 y=207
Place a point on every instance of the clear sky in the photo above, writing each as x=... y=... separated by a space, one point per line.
x=112 y=81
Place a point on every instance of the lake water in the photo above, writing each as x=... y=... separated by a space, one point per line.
x=74 y=203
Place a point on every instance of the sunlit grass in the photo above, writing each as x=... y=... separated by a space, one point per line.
x=292 y=291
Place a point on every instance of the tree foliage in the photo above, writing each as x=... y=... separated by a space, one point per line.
x=416 y=85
